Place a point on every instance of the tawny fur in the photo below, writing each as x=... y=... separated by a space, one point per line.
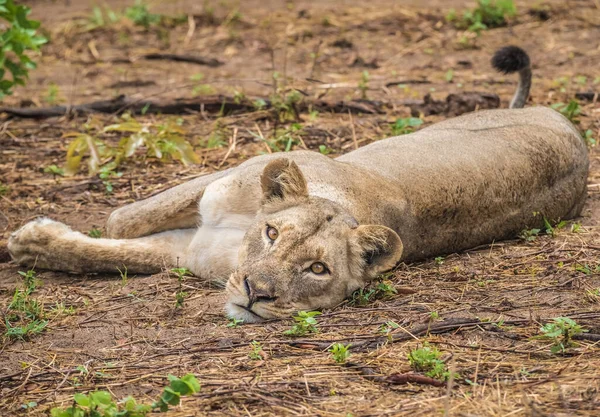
x=455 y=185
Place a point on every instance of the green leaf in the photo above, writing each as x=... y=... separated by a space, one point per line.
x=192 y=382
x=81 y=399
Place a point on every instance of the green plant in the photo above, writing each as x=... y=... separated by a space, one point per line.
x=588 y=136
x=362 y=296
x=95 y=233
x=25 y=315
x=180 y=295
x=324 y=150
x=284 y=104
x=571 y=110
x=18 y=36
x=102 y=403
x=101 y=18
x=52 y=93
x=576 y=228
x=141 y=16
x=256 y=351
x=561 y=331
x=553 y=230
x=340 y=352
x=434 y=315
x=386 y=289
x=60 y=309
x=439 y=260
x=530 y=235
x=159 y=139
x=105 y=174
x=427 y=359
x=305 y=323
x=487 y=14
x=3 y=189
x=233 y=322
x=363 y=84
x=449 y=75
x=54 y=170
x=404 y=126
x=83 y=144
x=388 y=327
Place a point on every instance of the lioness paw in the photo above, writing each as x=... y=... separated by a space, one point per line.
x=33 y=241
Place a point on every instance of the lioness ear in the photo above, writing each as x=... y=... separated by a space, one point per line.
x=282 y=179
x=380 y=248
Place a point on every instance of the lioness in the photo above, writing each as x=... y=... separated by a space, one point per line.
x=303 y=231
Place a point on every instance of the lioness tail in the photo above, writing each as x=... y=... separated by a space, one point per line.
x=512 y=59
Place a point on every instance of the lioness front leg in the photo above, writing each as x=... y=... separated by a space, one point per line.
x=52 y=245
x=174 y=208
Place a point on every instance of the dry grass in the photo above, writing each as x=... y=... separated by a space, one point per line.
x=489 y=302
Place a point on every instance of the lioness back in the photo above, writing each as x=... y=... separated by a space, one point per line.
x=479 y=177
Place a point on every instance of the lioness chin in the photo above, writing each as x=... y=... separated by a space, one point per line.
x=303 y=231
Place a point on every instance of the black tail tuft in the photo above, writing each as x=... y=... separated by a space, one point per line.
x=510 y=59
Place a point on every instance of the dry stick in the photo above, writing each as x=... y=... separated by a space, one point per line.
x=191 y=30
x=353 y=131
x=209 y=104
x=231 y=148
x=193 y=59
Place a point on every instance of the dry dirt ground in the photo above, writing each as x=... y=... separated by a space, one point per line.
x=481 y=309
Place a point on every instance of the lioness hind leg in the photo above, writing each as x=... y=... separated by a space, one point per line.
x=53 y=245
x=175 y=208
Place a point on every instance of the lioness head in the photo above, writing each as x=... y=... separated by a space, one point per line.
x=303 y=252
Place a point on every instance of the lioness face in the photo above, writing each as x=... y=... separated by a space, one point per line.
x=303 y=253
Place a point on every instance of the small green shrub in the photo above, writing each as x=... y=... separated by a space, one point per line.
x=16 y=39
x=561 y=331
x=571 y=110
x=141 y=16
x=427 y=359
x=404 y=126
x=305 y=323
x=340 y=352
x=487 y=15
x=102 y=403
x=256 y=351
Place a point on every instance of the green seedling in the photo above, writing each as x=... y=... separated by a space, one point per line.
x=404 y=126
x=427 y=359
x=141 y=16
x=95 y=233
x=324 y=150
x=256 y=351
x=571 y=110
x=588 y=137
x=561 y=331
x=102 y=403
x=340 y=352
x=530 y=235
x=54 y=170
x=180 y=295
x=363 y=84
x=388 y=327
x=305 y=323
x=233 y=322
x=487 y=15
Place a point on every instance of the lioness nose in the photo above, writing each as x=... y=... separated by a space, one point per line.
x=256 y=293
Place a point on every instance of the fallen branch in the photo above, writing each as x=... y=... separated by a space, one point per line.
x=588 y=95
x=194 y=59
x=210 y=104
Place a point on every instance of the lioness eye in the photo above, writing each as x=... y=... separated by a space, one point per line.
x=272 y=233
x=318 y=268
